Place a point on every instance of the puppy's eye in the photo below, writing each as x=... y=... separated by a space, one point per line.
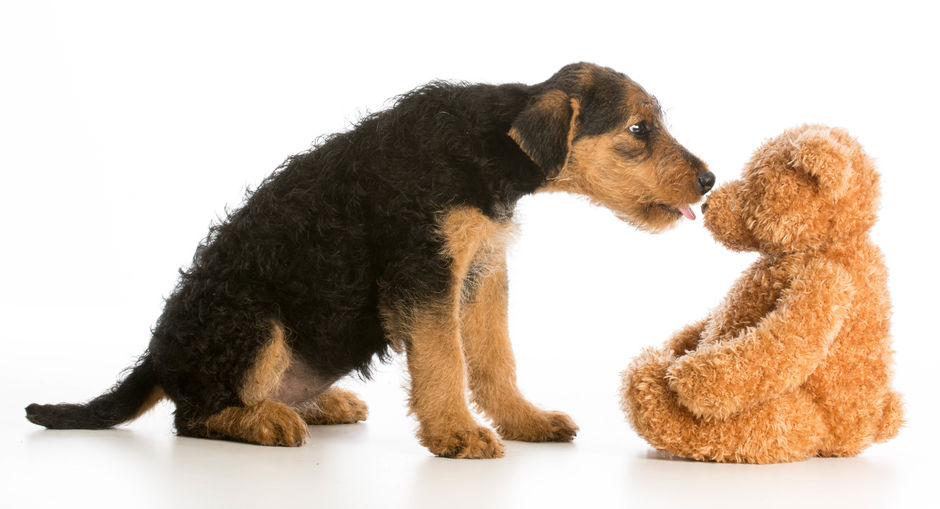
x=639 y=129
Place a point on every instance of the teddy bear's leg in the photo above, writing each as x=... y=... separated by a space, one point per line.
x=892 y=418
x=853 y=428
x=645 y=399
x=788 y=428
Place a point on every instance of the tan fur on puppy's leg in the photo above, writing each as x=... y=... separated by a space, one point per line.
x=273 y=359
x=334 y=406
x=492 y=369
x=260 y=420
x=438 y=389
x=264 y=423
x=435 y=357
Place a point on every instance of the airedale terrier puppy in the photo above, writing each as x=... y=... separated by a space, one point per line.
x=392 y=236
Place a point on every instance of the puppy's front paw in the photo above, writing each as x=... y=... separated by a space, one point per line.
x=468 y=443
x=540 y=426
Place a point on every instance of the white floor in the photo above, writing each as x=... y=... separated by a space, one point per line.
x=378 y=463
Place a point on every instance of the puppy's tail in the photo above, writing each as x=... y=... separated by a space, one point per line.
x=127 y=400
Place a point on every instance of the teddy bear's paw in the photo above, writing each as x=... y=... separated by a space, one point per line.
x=700 y=391
x=643 y=384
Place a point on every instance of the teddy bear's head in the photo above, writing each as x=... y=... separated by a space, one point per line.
x=810 y=187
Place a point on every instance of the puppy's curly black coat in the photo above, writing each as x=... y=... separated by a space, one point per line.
x=352 y=227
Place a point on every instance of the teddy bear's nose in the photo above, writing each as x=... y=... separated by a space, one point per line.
x=705 y=181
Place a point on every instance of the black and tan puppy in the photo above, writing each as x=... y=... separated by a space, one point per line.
x=393 y=236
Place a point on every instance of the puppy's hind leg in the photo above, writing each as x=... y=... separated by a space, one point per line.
x=492 y=369
x=260 y=419
x=333 y=406
x=314 y=397
x=264 y=423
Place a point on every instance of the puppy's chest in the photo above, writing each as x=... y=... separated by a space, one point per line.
x=475 y=245
x=754 y=296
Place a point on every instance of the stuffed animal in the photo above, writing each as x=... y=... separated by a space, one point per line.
x=796 y=361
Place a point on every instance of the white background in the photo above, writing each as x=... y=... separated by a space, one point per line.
x=127 y=128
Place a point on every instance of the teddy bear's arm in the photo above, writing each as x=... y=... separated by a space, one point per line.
x=686 y=338
x=773 y=357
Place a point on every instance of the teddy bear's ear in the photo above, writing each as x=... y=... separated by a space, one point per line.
x=545 y=128
x=822 y=154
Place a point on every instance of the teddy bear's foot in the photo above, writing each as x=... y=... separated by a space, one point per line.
x=788 y=428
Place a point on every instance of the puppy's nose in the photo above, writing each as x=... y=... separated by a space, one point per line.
x=705 y=181
x=704 y=206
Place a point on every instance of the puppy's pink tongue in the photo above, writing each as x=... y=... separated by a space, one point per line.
x=687 y=212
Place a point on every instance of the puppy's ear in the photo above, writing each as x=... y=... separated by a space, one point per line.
x=824 y=154
x=545 y=128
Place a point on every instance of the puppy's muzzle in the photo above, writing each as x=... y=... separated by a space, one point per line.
x=704 y=181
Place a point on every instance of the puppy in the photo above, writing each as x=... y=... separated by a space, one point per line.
x=392 y=237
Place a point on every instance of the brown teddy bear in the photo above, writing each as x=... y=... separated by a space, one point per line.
x=796 y=361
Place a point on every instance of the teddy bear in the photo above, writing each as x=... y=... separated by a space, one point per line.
x=796 y=361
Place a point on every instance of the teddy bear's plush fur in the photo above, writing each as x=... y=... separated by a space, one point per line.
x=796 y=361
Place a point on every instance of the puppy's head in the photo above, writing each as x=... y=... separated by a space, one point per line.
x=597 y=133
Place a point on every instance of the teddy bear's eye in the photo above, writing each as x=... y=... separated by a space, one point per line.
x=639 y=129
